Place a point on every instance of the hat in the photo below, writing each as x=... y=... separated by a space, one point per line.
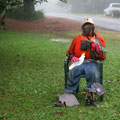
x=88 y=20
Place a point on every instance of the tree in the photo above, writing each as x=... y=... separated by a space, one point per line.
x=29 y=5
x=19 y=8
x=25 y=6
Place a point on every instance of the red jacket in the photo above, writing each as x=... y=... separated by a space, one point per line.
x=76 y=51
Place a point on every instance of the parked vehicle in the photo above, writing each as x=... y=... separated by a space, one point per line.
x=112 y=10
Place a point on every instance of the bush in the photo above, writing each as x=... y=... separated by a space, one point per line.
x=19 y=13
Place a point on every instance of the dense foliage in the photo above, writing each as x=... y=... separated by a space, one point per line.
x=21 y=9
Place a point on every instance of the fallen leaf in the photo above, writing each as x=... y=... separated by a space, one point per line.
x=24 y=57
x=119 y=81
x=109 y=81
x=4 y=118
x=60 y=113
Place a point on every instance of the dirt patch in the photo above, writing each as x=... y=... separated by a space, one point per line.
x=53 y=25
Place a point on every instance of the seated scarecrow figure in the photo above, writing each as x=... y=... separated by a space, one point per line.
x=85 y=51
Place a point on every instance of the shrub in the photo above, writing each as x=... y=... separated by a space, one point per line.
x=19 y=13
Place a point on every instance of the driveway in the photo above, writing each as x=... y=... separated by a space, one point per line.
x=100 y=21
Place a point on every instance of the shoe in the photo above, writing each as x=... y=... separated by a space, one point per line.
x=88 y=101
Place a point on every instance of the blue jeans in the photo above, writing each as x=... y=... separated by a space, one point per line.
x=91 y=70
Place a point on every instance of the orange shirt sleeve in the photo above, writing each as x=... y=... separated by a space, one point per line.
x=72 y=48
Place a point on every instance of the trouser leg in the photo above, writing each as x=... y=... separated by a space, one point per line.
x=74 y=78
x=92 y=73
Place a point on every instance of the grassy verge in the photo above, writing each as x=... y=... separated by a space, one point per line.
x=32 y=74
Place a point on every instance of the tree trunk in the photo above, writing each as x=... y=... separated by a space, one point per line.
x=29 y=7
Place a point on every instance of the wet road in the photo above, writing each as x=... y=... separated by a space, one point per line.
x=103 y=22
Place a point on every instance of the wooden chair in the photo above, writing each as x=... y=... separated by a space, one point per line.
x=66 y=70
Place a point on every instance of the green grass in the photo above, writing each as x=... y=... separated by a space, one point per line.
x=32 y=74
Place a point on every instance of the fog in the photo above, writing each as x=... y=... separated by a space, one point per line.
x=75 y=6
x=52 y=6
x=80 y=9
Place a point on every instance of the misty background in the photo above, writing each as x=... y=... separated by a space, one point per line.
x=75 y=6
x=35 y=9
x=53 y=6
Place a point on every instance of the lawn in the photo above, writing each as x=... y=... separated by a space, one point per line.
x=32 y=74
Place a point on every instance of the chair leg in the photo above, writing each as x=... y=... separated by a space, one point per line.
x=101 y=98
x=101 y=77
x=66 y=71
x=77 y=90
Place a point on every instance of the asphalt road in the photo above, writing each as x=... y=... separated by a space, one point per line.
x=100 y=21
